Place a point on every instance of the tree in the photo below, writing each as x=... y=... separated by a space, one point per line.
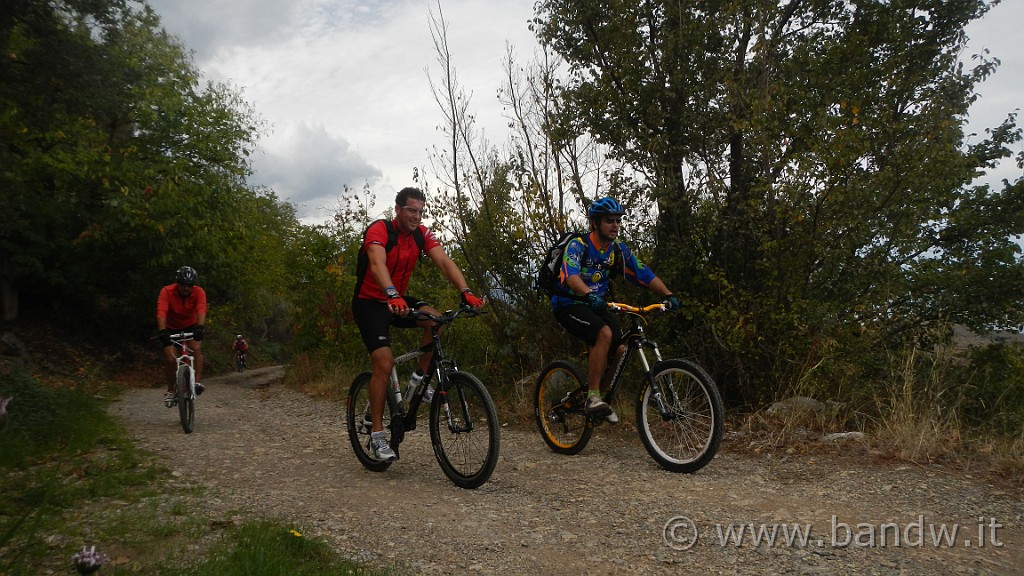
x=120 y=166
x=809 y=167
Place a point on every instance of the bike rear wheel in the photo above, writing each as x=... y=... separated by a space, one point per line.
x=186 y=401
x=466 y=447
x=357 y=422
x=558 y=408
x=688 y=437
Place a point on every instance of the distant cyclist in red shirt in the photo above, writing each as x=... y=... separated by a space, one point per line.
x=181 y=307
x=380 y=300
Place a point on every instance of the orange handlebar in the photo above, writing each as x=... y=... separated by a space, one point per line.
x=629 y=308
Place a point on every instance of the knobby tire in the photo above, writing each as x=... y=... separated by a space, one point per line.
x=690 y=436
x=558 y=408
x=357 y=404
x=186 y=402
x=466 y=448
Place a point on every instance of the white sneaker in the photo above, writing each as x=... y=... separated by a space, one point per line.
x=169 y=399
x=380 y=449
x=612 y=417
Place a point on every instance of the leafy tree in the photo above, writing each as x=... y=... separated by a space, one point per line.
x=120 y=166
x=809 y=167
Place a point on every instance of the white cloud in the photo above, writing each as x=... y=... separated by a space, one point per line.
x=344 y=84
x=349 y=75
x=309 y=166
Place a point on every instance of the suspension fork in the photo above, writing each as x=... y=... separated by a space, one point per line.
x=455 y=424
x=660 y=395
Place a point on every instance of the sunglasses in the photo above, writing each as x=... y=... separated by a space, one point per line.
x=414 y=211
x=613 y=219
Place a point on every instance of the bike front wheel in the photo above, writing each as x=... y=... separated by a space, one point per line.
x=687 y=435
x=358 y=423
x=558 y=407
x=185 y=398
x=465 y=437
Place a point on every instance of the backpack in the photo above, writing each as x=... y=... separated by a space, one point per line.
x=547 y=274
x=363 y=261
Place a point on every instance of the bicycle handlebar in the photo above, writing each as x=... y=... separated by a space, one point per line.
x=636 y=309
x=448 y=316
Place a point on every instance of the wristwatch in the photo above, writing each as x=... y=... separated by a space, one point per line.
x=390 y=292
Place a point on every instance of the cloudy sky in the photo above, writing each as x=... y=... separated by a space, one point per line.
x=343 y=84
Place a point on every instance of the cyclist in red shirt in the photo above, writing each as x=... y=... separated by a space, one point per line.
x=380 y=300
x=181 y=307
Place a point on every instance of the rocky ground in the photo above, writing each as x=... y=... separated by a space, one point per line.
x=262 y=447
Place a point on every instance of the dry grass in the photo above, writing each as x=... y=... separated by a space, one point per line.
x=918 y=423
x=314 y=375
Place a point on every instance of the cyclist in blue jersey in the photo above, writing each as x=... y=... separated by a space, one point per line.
x=579 y=304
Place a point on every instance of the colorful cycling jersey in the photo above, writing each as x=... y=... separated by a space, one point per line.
x=401 y=259
x=593 y=265
x=180 y=311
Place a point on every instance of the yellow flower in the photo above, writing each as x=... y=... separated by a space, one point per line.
x=296 y=533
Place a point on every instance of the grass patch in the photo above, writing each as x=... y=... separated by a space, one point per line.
x=261 y=547
x=71 y=478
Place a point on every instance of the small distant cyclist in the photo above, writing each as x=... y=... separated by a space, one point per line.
x=581 y=308
x=181 y=307
x=240 y=347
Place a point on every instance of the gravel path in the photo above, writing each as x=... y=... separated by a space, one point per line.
x=262 y=447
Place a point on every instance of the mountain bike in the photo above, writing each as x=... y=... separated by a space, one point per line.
x=240 y=360
x=463 y=422
x=184 y=380
x=679 y=411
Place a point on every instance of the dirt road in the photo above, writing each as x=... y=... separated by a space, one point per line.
x=262 y=447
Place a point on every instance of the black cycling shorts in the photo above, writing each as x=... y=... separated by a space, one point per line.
x=584 y=323
x=375 y=320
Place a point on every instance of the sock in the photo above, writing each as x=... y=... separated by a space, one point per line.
x=377 y=435
x=594 y=394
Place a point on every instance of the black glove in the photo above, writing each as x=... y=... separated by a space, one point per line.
x=596 y=302
x=198 y=332
x=672 y=303
x=165 y=337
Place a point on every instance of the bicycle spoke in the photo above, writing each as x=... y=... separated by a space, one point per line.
x=558 y=409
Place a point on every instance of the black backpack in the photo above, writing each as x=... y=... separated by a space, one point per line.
x=363 y=261
x=547 y=275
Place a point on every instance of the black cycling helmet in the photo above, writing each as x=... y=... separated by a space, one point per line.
x=186 y=275
x=606 y=206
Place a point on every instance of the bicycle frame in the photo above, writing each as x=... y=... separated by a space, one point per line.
x=636 y=340
x=184 y=356
x=440 y=367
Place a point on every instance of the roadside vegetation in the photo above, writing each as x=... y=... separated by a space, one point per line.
x=71 y=480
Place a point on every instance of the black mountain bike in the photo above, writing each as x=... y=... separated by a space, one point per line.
x=679 y=412
x=464 y=429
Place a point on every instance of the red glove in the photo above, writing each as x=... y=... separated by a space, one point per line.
x=469 y=299
x=395 y=301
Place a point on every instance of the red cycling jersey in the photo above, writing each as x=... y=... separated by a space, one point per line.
x=401 y=260
x=181 y=312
